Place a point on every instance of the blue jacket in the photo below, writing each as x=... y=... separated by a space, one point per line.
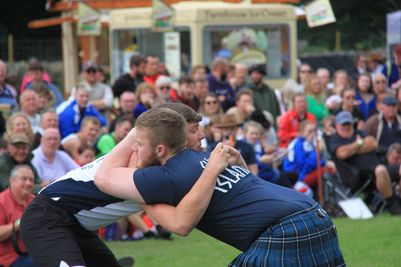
x=301 y=158
x=70 y=117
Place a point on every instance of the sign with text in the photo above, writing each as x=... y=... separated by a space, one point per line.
x=162 y=17
x=172 y=54
x=319 y=12
x=88 y=20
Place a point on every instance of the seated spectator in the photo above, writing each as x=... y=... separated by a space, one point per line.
x=86 y=135
x=107 y=142
x=210 y=107
x=19 y=123
x=146 y=96
x=131 y=80
x=127 y=103
x=393 y=155
x=228 y=127
x=7 y=92
x=50 y=162
x=380 y=85
x=45 y=97
x=198 y=72
x=37 y=73
x=365 y=96
x=29 y=101
x=292 y=87
x=324 y=76
x=201 y=89
x=354 y=155
x=13 y=201
x=243 y=106
x=385 y=127
x=49 y=119
x=340 y=82
x=265 y=156
x=218 y=83
x=349 y=104
x=316 y=96
x=288 y=124
x=163 y=90
x=185 y=92
x=86 y=154
x=303 y=155
x=71 y=113
x=18 y=152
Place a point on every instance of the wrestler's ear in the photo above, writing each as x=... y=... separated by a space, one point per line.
x=161 y=150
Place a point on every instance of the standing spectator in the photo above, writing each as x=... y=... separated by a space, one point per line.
x=340 y=82
x=163 y=90
x=392 y=71
x=100 y=94
x=264 y=97
x=365 y=96
x=361 y=67
x=50 y=162
x=200 y=91
x=240 y=77
x=27 y=78
x=146 y=96
x=72 y=113
x=375 y=63
x=49 y=119
x=243 y=106
x=37 y=72
x=29 y=106
x=151 y=69
x=19 y=123
x=107 y=142
x=316 y=96
x=7 y=92
x=324 y=76
x=355 y=157
x=288 y=124
x=219 y=85
x=198 y=72
x=87 y=134
x=210 y=107
x=18 y=152
x=46 y=98
x=385 y=127
x=130 y=81
x=13 y=202
x=127 y=103
x=292 y=87
x=185 y=92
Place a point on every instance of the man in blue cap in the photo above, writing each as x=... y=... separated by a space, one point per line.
x=354 y=153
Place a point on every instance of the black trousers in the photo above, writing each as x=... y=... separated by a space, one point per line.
x=52 y=235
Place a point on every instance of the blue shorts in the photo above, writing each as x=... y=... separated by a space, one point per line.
x=305 y=238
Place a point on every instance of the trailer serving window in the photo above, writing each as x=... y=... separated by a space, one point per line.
x=266 y=45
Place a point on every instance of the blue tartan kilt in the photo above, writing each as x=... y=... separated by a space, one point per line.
x=305 y=238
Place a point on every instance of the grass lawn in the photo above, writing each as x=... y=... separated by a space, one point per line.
x=375 y=242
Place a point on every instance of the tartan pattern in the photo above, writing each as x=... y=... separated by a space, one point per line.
x=306 y=238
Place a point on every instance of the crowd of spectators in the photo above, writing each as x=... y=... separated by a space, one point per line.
x=349 y=122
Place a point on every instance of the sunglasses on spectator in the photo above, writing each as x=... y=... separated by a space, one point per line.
x=91 y=71
x=380 y=81
x=214 y=102
x=167 y=87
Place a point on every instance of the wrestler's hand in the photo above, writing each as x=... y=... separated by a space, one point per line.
x=235 y=157
x=219 y=158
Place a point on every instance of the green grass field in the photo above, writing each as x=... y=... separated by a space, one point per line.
x=375 y=242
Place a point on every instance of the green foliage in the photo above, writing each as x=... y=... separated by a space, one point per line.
x=366 y=243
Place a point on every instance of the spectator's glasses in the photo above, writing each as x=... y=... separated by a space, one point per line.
x=166 y=87
x=214 y=102
x=91 y=71
x=380 y=81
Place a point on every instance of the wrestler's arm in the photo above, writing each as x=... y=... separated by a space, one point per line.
x=183 y=218
x=113 y=177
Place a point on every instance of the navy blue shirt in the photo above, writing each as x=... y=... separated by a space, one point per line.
x=222 y=87
x=391 y=134
x=242 y=206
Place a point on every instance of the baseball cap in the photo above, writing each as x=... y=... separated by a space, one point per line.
x=18 y=138
x=89 y=65
x=390 y=100
x=344 y=117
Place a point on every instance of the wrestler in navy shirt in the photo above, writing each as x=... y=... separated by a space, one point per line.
x=233 y=215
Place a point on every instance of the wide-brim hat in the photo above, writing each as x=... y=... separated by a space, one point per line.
x=226 y=121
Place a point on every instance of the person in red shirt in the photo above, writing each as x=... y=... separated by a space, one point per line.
x=151 y=69
x=288 y=124
x=13 y=202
